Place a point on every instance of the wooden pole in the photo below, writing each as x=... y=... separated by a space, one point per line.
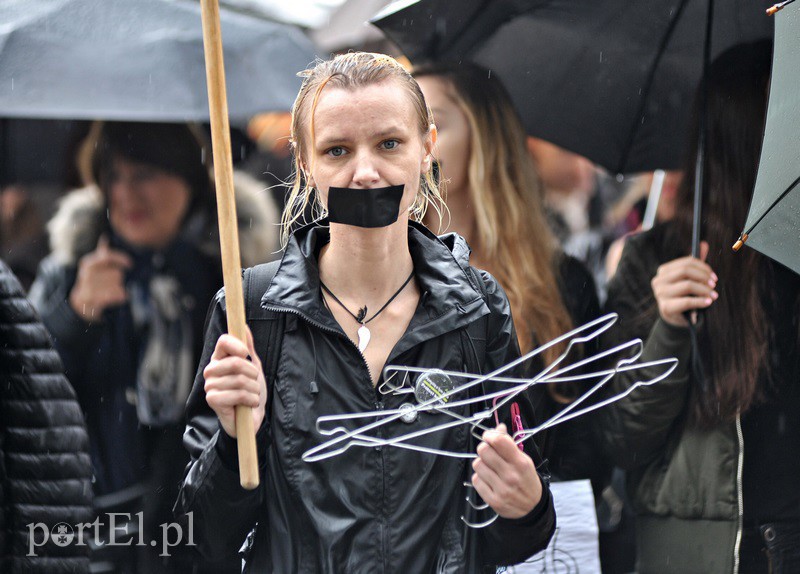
x=228 y=229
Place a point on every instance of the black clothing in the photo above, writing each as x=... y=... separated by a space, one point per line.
x=102 y=358
x=45 y=471
x=689 y=483
x=392 y=509
x=132 y=368
x=573 y=449
x=137 y=467
x=772 y=428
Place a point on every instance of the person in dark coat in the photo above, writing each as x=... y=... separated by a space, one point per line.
x=134 y=260
x=45 y=470
x=713 y=450
x=364 y=288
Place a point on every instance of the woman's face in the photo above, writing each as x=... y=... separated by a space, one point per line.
x=454 y=138
x=368 y=137
x=146 y=204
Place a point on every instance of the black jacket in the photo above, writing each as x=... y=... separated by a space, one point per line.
x=367 y=509
x=45 y=471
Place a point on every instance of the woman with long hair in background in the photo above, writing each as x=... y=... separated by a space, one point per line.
x=495 y=201
x=713 y=450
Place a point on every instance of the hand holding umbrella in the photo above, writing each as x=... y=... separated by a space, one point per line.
x=683 y=286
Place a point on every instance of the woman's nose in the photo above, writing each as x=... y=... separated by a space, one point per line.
x=366 y=172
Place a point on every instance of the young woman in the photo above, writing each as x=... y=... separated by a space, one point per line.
x=361 y=126
x=494 y=200
x=714 y=449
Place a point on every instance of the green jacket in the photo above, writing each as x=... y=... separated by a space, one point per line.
x=685 y=483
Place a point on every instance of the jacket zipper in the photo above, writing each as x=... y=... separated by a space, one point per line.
x=383 y=515
x=378 y=406
x=326 y=329
x=739 y=501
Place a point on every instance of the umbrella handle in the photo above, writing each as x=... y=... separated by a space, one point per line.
x=228 y=229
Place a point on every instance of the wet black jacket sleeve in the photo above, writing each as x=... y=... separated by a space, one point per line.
x=224 y=512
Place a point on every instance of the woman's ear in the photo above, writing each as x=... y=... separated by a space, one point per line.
x=433 y=133
x=306 y=173
x=430 y=142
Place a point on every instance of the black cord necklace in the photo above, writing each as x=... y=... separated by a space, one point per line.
x=363 y=332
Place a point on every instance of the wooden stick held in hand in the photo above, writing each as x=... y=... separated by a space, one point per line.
x=228 y=230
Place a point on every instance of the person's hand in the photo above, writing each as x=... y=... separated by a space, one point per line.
x=234 y=377
x=684 y=284
x=100 y=283
x=505 y=477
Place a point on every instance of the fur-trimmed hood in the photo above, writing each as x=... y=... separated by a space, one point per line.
x=78 y=222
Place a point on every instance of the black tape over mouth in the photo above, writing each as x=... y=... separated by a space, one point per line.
x=369 y=208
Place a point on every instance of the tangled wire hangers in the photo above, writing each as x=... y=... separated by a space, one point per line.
x=436 y=392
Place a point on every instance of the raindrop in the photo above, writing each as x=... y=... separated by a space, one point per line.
x=12 y=84
x=601 y=57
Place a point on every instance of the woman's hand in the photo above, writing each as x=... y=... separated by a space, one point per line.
x=100 y=282
x=505 y=477
x=682 y=285
x=234 y=377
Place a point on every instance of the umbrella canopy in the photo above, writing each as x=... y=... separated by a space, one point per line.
x=142 y=60
x=773 y=223
x=611 y=80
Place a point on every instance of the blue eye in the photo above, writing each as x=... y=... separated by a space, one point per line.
x=390 y=144
x=337 y=151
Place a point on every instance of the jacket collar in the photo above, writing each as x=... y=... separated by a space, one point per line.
x=439 y=262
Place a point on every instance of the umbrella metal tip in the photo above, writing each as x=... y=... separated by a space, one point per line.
x=778 y=7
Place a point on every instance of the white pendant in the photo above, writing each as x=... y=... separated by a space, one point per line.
x=363 y=337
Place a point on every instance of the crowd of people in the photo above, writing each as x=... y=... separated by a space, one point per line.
x=417 y=231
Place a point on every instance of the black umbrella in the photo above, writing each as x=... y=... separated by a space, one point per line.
x=139 y=60
x=611 y=80
x=773 y=223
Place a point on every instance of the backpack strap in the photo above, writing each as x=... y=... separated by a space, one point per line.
x=267 y=326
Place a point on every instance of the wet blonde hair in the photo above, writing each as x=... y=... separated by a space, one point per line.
x=511 y=230
x=349 y=71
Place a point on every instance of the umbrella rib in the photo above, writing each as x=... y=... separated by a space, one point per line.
x=774 y=203
x=649 y=84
